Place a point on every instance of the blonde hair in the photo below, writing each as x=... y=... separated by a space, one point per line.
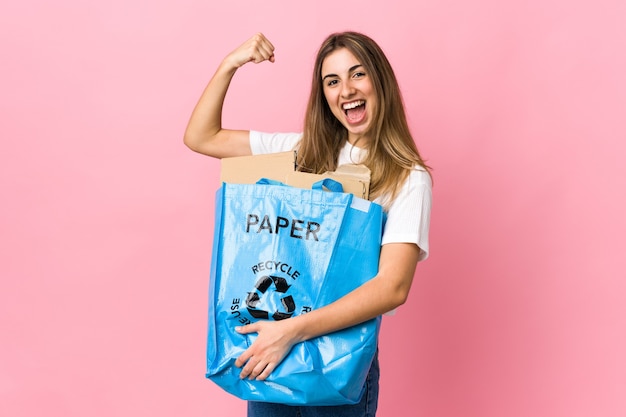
x=391 y=151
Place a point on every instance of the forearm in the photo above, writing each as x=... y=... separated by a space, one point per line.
x=204 y=131
x=206 y=119
x=372 y=299
x=388 y=290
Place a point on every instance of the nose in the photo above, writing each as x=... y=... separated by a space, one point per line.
x=347 y=89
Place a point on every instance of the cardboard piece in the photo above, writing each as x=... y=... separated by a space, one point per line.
x=281 y=167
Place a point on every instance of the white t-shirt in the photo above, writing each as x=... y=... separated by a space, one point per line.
x=408 y=216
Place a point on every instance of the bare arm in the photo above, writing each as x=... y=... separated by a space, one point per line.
x=204 y=133
x=383 y=293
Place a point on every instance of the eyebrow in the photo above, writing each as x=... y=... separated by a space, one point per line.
x=335 y=75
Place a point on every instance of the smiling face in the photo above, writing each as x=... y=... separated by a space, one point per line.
x=349 y=93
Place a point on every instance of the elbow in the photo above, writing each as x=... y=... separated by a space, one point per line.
x=190 y=142
x=399 y=297
x=393 y=291
x=202 y=142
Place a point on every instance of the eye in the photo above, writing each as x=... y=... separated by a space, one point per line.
x=359 y=74
x=330 y=83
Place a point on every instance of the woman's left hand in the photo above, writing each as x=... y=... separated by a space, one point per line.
x=273 y=342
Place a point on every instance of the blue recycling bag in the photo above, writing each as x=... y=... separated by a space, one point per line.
x=279 y=252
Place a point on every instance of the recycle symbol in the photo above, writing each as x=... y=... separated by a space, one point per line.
x=262 y=286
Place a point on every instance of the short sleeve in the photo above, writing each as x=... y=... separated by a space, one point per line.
x=408 y=217
x=262 y=143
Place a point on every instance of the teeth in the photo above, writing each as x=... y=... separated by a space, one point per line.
x=354 y=104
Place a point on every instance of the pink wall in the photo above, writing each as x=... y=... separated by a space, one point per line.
x=106 y=217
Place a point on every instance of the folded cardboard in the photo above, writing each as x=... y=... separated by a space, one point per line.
x=282 y=167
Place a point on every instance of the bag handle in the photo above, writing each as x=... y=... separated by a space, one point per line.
x=329 y=183
x=268 y=181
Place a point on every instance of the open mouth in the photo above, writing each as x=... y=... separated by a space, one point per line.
x=355 y=111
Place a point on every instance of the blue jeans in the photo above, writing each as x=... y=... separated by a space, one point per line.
x=365 y=408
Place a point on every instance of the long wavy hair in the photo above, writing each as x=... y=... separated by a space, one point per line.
x=391 y=151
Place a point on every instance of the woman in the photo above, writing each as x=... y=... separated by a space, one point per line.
x=355 y=114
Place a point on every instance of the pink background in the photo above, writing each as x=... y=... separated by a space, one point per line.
x=106 y=218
